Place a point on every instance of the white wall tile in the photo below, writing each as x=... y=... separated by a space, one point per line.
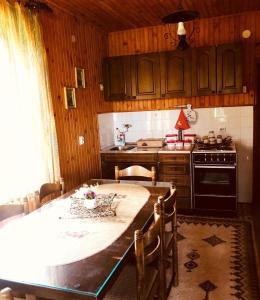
x=106 y=130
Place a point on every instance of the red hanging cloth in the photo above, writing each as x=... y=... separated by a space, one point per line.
x=182 y=123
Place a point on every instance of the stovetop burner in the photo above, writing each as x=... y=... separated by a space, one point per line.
x=214 y=148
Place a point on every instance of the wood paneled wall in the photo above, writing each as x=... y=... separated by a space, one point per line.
x=87 y=51
x=91 y=45
x=213 y=31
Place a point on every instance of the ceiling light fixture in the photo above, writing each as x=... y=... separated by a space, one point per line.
x=180 y=16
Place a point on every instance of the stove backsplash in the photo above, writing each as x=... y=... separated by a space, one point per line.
x=238 y=122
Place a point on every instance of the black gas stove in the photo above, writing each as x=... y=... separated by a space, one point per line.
x=214 y=177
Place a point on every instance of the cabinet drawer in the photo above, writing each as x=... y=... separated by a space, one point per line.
x=129 y=158
x=174 y=158
x=183 y=180
x=177 y=169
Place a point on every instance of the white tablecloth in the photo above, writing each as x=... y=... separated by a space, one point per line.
x=48 y=238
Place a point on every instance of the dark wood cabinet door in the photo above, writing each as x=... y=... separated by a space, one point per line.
x=204 y=71
x=117 y=78
x=176 y=74
x=229 y=69
x=146 y=76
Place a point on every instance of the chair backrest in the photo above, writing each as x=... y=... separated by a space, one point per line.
x=169 y=225
x=169 y=205
x=49 y=191
x=6 y=294
x=148 y=249
x=135 y=171
x=12 y=211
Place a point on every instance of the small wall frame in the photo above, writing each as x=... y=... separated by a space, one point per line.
x=69 y=97
x=80 y=77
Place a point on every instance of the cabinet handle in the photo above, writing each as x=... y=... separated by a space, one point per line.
x=220 y=92
x=163 y=95
x=213 y=92
x=133 y=97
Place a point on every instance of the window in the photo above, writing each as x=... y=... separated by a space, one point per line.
x=28 y=150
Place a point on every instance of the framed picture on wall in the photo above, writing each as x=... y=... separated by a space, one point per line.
x=80 y=77
x=70 y=97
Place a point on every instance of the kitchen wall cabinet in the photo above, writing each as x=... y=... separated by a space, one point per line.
x=176 y=169
x=229 y=69
x=176 y=74
x=204 y=71
x=117 y=74
x=193 y=72
x=217 y=70
x=146 y=76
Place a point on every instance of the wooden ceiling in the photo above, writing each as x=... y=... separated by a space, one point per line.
x=115 y=15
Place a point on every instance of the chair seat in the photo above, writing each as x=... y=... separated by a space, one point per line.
x=125 y=286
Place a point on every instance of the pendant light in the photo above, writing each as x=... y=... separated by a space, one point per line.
x=180 y=16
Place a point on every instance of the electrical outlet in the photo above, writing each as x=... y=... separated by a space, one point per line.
x=81 y=140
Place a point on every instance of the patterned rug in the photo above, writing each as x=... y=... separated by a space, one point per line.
x=216 y=260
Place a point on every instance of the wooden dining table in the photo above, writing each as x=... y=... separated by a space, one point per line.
x=54 y=254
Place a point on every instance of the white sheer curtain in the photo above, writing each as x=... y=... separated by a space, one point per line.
x=28 y=150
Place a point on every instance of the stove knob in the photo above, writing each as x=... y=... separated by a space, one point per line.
x=224 y=157
x=211 y=157
x=217 y=157
x=205 y=159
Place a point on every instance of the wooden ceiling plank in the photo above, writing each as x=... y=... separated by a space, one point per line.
x=115 y=15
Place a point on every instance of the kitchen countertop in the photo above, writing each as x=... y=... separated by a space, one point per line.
x=167 y=149
x=136 y=150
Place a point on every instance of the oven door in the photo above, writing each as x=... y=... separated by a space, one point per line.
x=215 y=180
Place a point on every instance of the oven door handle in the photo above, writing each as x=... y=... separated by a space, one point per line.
x=214 y=167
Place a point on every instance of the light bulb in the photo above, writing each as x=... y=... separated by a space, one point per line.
x=181 y=29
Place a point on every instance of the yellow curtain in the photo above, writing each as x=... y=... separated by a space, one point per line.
x=28 y=150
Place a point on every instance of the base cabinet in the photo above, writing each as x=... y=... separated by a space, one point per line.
x=169 y=167
x=176 y=168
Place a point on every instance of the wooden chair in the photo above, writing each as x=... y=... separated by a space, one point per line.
x=170 y=250
x=6 y=294
x=135 y=171
x=142 y=280
x=9 y=212
x=49 y=191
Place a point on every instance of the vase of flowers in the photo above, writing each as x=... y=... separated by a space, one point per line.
x=90 y=199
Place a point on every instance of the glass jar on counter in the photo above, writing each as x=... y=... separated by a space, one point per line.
x=179 y=145
x=187 y=145
x=189 y=137
x=171 y=138
x=211 y=134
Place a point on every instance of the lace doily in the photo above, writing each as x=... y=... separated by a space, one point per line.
x=104 y=207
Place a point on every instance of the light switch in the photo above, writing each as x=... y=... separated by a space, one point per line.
x=101 y=87
x=81 y=140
